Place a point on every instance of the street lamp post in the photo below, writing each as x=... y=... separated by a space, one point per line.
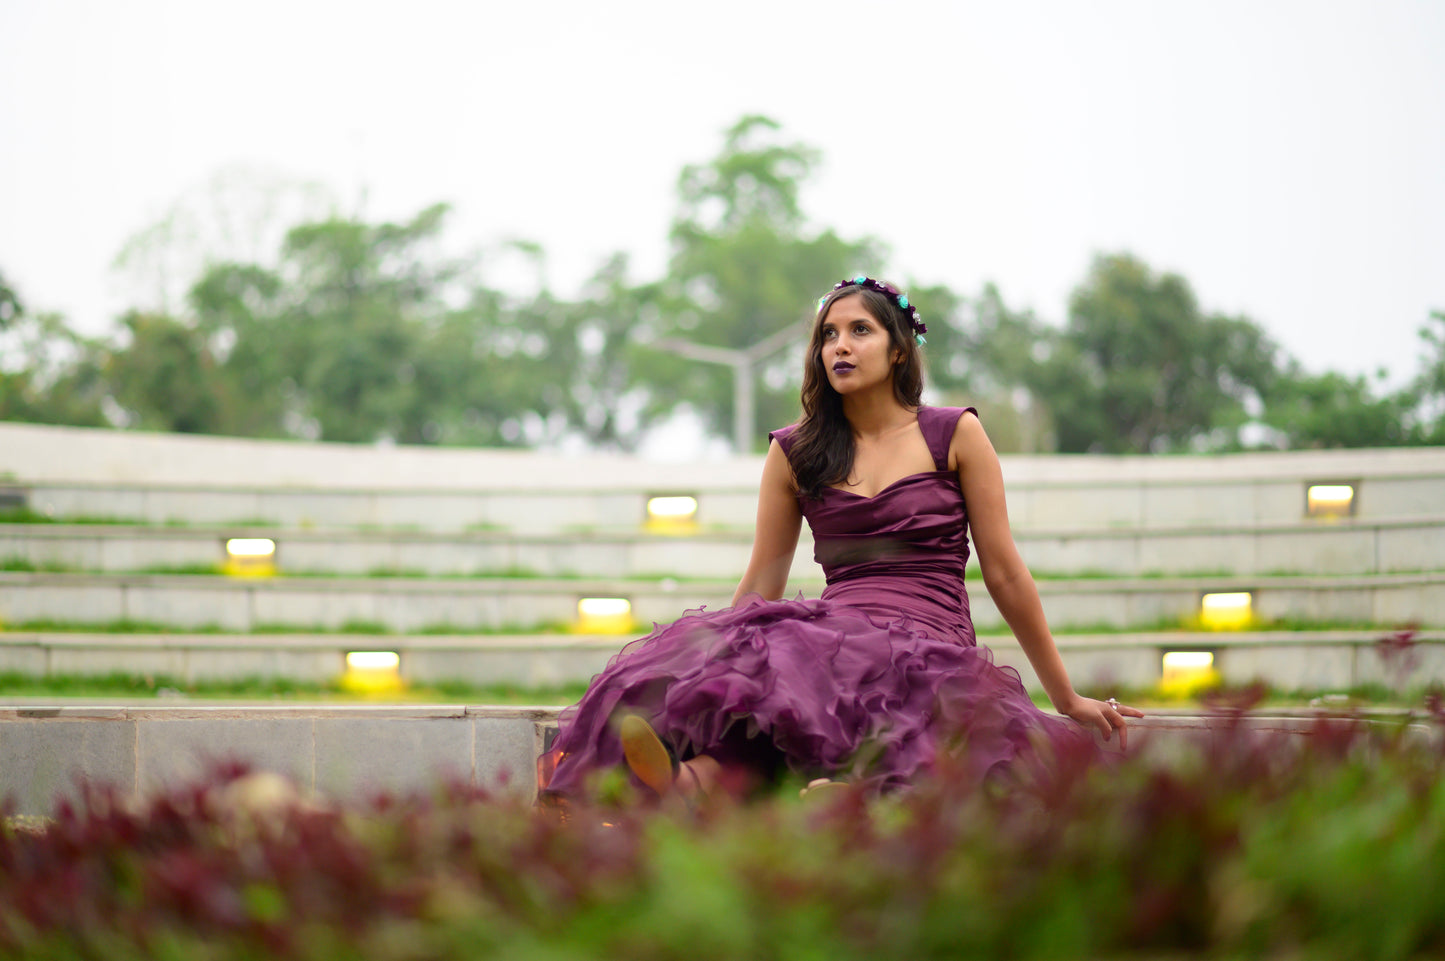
x=744 y=364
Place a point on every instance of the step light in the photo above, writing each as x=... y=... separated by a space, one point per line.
x=372 y=671
x=1186 y=672
x=1330 y=501
x=1228 y=611
x=672 y=513
x=250 y=557
x=604 y=615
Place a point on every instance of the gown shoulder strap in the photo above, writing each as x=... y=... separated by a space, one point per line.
x=784 y=437
x=937 y=424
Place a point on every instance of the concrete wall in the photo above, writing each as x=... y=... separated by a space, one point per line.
x=343 y=752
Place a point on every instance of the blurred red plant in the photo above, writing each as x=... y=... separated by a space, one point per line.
x=1190 y=847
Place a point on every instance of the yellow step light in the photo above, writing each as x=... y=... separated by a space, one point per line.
x=604 y=615
x=1226 y=611
x=672 y=514
x=372 y=671
x=1185 y=672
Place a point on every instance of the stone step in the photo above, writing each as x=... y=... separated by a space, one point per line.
x=1356 y=546
x=413 y=605
x=67 y=472
x=1287 y=660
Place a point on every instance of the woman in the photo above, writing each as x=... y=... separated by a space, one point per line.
x=882 y=673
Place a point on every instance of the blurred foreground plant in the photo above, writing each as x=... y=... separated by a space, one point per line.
x=1242 y=844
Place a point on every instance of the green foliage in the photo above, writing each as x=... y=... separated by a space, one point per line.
x=166 y=377
x=10 y=306
x=1232 y=844
x=745 y=267
x=353 y=330
x=1140 y=368
x=49 y=374
x=1428 y=390
x=1333 y=410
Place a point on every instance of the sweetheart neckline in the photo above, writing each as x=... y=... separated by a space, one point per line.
x=887 y=487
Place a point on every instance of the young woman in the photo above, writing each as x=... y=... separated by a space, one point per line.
x=874 y=679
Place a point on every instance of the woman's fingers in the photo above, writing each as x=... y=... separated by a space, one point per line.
x=1114 y=713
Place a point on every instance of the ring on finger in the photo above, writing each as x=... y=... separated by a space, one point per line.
x=1112 y=703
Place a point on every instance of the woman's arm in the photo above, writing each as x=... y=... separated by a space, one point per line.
x=1009 y=582
x=775 y=538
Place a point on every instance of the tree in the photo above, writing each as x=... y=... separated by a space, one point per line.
x=1140 y=368
x=236 y=308
x=353 y=336
x=10 y=306
x=49 y=374
x=744 y=267
x=981 y=352
x=596 y=355
x=165 y=378
x=240 y=215
x=1428 y=391
x=1333 y=410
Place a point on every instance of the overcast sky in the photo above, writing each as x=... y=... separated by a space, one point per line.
x=1287 y=158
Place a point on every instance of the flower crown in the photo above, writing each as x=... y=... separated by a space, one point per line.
x=899 y=298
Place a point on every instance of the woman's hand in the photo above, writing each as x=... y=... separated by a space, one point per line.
x=1108 y=716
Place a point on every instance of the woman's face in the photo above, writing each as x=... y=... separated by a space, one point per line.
x=857 y=353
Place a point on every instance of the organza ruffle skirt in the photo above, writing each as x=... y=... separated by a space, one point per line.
x=833 y=691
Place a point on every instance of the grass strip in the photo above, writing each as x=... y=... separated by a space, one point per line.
x=164 y=687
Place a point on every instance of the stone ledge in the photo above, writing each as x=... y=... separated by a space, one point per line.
x=209 y=531
x=1324 y=660
x=36 y=453
x=48 y=752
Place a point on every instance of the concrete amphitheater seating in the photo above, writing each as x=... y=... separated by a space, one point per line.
x=435 y=546
x=470 y=565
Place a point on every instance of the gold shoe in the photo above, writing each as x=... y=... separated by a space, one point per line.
x=646 y=755
x=823 y=791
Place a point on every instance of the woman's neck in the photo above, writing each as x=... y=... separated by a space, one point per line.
x=875 y=413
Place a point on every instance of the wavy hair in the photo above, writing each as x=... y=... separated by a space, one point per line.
x=823 y=449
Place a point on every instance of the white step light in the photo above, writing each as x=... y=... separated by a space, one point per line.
x=373 y=660
x=1331 y=501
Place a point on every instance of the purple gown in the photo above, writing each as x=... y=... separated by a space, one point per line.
x=868 y=682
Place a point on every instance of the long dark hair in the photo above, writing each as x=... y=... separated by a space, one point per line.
x=823 y=449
